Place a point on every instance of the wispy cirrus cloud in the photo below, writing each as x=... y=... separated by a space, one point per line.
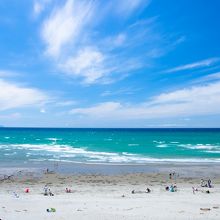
x=72 y=39
x=122 y=91
x=195 y=65
x=64 y=25
x=211 y=77
x=197 y=100
x=126 y=7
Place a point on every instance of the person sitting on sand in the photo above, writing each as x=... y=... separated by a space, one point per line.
x=203 y=183
x=194 y=189
x=170 y=176
x=173 y=188
x=50 y=193
x=16 y=195
x=167 y=188
x=45 y=191
x=68 y=190
x=209 y=183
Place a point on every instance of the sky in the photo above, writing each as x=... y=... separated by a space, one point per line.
x=110 y=63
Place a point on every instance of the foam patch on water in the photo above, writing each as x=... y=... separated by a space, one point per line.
x=213 y=151
x=201 y=147
x=159 y=142
x=54 y=139
x=162 y=145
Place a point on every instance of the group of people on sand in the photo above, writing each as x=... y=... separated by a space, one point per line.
x=171 y=188
x=173 y=175
x=206 y=183
x=47 y=191
x=203 y=183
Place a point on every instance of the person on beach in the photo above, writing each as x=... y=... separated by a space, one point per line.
x=16 y=195
x=209 y=183
x=194 y=189
x=172 y=188
x=203 y=183
x=170 y=176
x=148 y=190
x=45 y=191
x=50 y=193
x=68 y=190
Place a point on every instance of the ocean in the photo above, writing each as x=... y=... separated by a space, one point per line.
x=109 y=146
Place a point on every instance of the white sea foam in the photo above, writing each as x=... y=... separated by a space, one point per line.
x=10 y=154
x=54 y=139
x=133 y=144
x=213 y=151
x=68 y=153
x=201 y=147
x=159 y=142
x=162 y=145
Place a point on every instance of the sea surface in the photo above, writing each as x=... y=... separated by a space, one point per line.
x=109 y=146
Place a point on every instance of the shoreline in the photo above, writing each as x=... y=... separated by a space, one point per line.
x=189 y=169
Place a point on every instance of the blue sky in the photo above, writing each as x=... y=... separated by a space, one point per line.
x=96 y=63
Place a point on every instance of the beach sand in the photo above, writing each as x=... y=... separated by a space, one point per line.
x=99 y=196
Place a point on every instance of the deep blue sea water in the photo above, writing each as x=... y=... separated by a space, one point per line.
x=115 y=146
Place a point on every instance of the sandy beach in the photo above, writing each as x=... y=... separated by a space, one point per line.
x=100 y=196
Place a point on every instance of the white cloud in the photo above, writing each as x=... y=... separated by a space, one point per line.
x=42 y=111
x=95 y=67
x=199 y=64
x=210 y=77
x=126 y=7
x=66 y=103
x=197 y=100
x=98 y=110
x=6 y=74
x=79 y=49
x=14 y=96
x=39 y=6
x=64 y=25
x=118 y=40
x=87 y=63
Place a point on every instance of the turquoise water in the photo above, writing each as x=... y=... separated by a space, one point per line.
x=118 y=146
